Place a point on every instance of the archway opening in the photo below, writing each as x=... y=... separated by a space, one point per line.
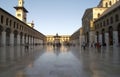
x=15 y=37
x=119 y=34
x=25 y=39
x=103 y=37
x=1 y=29
x=8 y=31
x=110 y=35
x=21 y=36
x=87 y=38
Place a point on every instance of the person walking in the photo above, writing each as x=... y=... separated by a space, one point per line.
x=98 y=47
x=84 y=45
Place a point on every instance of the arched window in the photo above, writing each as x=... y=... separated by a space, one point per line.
x=14 y=24
x=110 y=3
x=2 y=18
x=106 y=5
x=6 y=21
x=10 y=22
x=98 y=14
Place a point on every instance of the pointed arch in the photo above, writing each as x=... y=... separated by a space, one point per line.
x=110 y=35
x=103 y=36
x=1 y=29
x=8 y=31
x=15 y=37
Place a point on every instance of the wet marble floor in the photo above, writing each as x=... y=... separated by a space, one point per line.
x=48 y=61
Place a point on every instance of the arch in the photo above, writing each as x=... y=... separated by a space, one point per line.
x=110 y=35
x=118 y=34
x=15 y=37
x=8 y=31
x=1 y=29
x=103 y=37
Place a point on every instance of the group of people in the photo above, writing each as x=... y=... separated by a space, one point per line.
x=96 y=45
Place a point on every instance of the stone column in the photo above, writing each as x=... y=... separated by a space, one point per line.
x=92 y=37
x=11 y=39
x=106 y=39
x=3 y=40
x=38 y=41
x=23 y=40
x=35 y=40
x=81 y=39
x=115 y=38
x=26 y=39
x=95 y=38
x=41 y=41
x=32 y=40
x=18 y=39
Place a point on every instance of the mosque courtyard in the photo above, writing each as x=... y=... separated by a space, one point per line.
x=64 y=61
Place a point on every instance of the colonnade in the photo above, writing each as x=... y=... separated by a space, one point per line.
x=14 y=38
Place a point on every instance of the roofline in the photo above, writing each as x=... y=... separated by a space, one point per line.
x=18 y=7
x=21 y=21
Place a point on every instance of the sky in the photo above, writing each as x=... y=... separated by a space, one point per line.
x=53 y=16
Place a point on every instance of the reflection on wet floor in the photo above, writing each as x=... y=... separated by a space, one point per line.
x=49 y=61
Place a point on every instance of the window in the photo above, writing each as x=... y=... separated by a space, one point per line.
x=2 y=18
x=17 y=25
x=107 y=21
x=10 y=22
x=116 y=17
x=6 y=21
x=18 y=15
x=98 y=14
x=20 y=27
x=111 y=20
x=110 y=3
x=106 y=5
x=14 y=24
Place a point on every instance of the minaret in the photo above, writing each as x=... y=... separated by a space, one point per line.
x=21 y=11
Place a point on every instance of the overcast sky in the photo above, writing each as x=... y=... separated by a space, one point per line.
x=53 y=16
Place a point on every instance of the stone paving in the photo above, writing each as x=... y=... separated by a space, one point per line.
x=49 y=61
